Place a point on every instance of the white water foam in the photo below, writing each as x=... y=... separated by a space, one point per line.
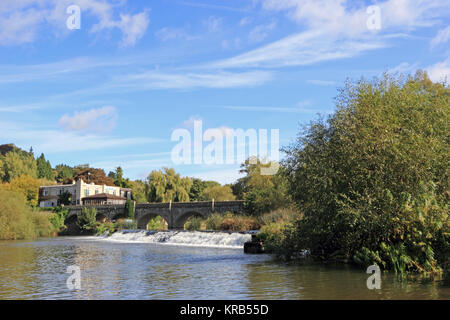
x=182 y=238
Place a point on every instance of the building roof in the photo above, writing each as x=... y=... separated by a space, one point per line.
x=104 y=196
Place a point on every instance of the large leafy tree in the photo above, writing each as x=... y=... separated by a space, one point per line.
x=372 y=180
x=218 y=193
x=89 y=175
x=118 y=178
x=167 y=185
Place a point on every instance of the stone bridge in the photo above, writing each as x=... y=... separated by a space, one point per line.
x=175 y=213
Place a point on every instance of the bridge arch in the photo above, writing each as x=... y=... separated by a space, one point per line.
x=143 y=220
x=184 y=217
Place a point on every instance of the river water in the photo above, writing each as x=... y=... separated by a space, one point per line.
x=181 y=266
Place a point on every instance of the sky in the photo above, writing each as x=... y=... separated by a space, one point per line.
x=112 y=90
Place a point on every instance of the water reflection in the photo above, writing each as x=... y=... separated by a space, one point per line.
x=37 y=270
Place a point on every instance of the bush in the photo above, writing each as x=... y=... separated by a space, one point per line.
x=239 y=223
x=109 y=227
x=129 y=209
x=194 y=223
x=18 y=221
x=86 y=220
x=58 y=218
x=157 y=223
x=214 y=221
x=125 y=224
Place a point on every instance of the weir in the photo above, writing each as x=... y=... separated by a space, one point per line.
x=175 y=213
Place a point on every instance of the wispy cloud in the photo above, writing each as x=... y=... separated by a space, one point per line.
x=22 y=21
x=440 y=71
x=95 y=120
x=442 y=36
x=56 y=141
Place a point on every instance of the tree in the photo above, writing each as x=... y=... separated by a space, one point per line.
x=14 y=164
x=196 y=193
x=91 y=175
x=372 y=180
x=167 y=185
x=218 y=193
x=118 y=178
x=65 y=198
x=63 y=173
x=86 y=220
x=44 y=169
x=261 y=193
x=27 y=186
x=139 y=191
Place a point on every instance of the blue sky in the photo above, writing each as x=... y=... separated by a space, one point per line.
x=112 y=92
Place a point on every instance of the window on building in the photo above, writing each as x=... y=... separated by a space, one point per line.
x=86 y=192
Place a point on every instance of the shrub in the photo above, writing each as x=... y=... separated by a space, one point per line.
x=239 y=223
x=86 y=220
x=214 y=221
x=58 y=218
x=125 y=224
x=157 y=223
x=194 y=223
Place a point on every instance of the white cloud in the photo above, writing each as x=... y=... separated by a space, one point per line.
x=303 y=48
x=442 y=36
x=94 y=120
x=220 y=79
x=440 y=71
x=260 y=32
x=213 y=24
x=22 y=21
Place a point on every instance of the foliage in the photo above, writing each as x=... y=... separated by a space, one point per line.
x=239 y=223
x=15 y=164
x=372 y=181
x=157 y=223
x=118 y=178
x=27 y=186
x=86 y=220
x=138 y=191
x=218 y=193
x=167 y=185
x=65 y=198
x=44 y=168
x=58 y=218
x=194 y=223
x=18 y=221
x=63 y=173
x=107 y=226
x=214 y=221
x=262 y=193
x=91 y=175
x=196 y=192
x=129 y=209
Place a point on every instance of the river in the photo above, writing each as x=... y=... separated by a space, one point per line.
x=182 y=266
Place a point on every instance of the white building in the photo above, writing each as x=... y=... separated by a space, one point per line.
x=49 y=195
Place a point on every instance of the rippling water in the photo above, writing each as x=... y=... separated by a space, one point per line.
x=117 y=270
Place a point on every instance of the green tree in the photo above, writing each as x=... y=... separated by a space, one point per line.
x=14 y=164
x=261 y=193
x=44 y=169
x=65 y=198
x=198 y=187
x=63 y=173
x=167 y=185
x=118 y=178
x=218 y=193
x=360 y=177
